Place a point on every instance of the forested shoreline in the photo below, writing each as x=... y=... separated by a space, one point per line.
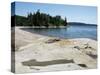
x=38 y=19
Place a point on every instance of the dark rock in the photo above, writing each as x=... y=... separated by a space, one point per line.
x=52 y=40
x=34 y=62
x=82 y=65
x=77 y=47
x=92 y=55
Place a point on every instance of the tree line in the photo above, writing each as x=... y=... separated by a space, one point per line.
x=38 y=19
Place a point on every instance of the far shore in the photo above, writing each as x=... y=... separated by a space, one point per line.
x=40 y=26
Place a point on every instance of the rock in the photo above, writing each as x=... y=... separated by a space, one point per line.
x=82 y=65
x=34 y=62
x=52 y=40
x=92 y=55
x=77 y=47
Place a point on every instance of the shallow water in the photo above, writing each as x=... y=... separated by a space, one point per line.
x=73 y=31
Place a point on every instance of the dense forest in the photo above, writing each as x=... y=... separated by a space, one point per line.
x=38 y=19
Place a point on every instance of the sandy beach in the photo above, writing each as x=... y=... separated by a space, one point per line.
x=38 y=53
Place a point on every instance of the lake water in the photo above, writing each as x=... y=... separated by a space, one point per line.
x=73 y=31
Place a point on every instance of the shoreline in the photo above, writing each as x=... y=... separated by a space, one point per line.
x=29 y=46
x=28 y=37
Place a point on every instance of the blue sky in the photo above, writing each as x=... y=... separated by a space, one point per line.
x=74 y=13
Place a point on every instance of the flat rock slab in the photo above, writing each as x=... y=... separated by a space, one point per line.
x=40 y=53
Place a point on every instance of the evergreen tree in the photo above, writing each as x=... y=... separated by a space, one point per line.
x=40 y=19
x=65 y=21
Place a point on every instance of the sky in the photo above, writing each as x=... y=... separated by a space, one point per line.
x=74 y=13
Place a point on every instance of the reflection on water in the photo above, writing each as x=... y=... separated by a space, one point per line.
x=74 y=31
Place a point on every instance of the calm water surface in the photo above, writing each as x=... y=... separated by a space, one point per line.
x=73 y=31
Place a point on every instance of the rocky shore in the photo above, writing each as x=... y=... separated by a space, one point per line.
x=38 y=53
